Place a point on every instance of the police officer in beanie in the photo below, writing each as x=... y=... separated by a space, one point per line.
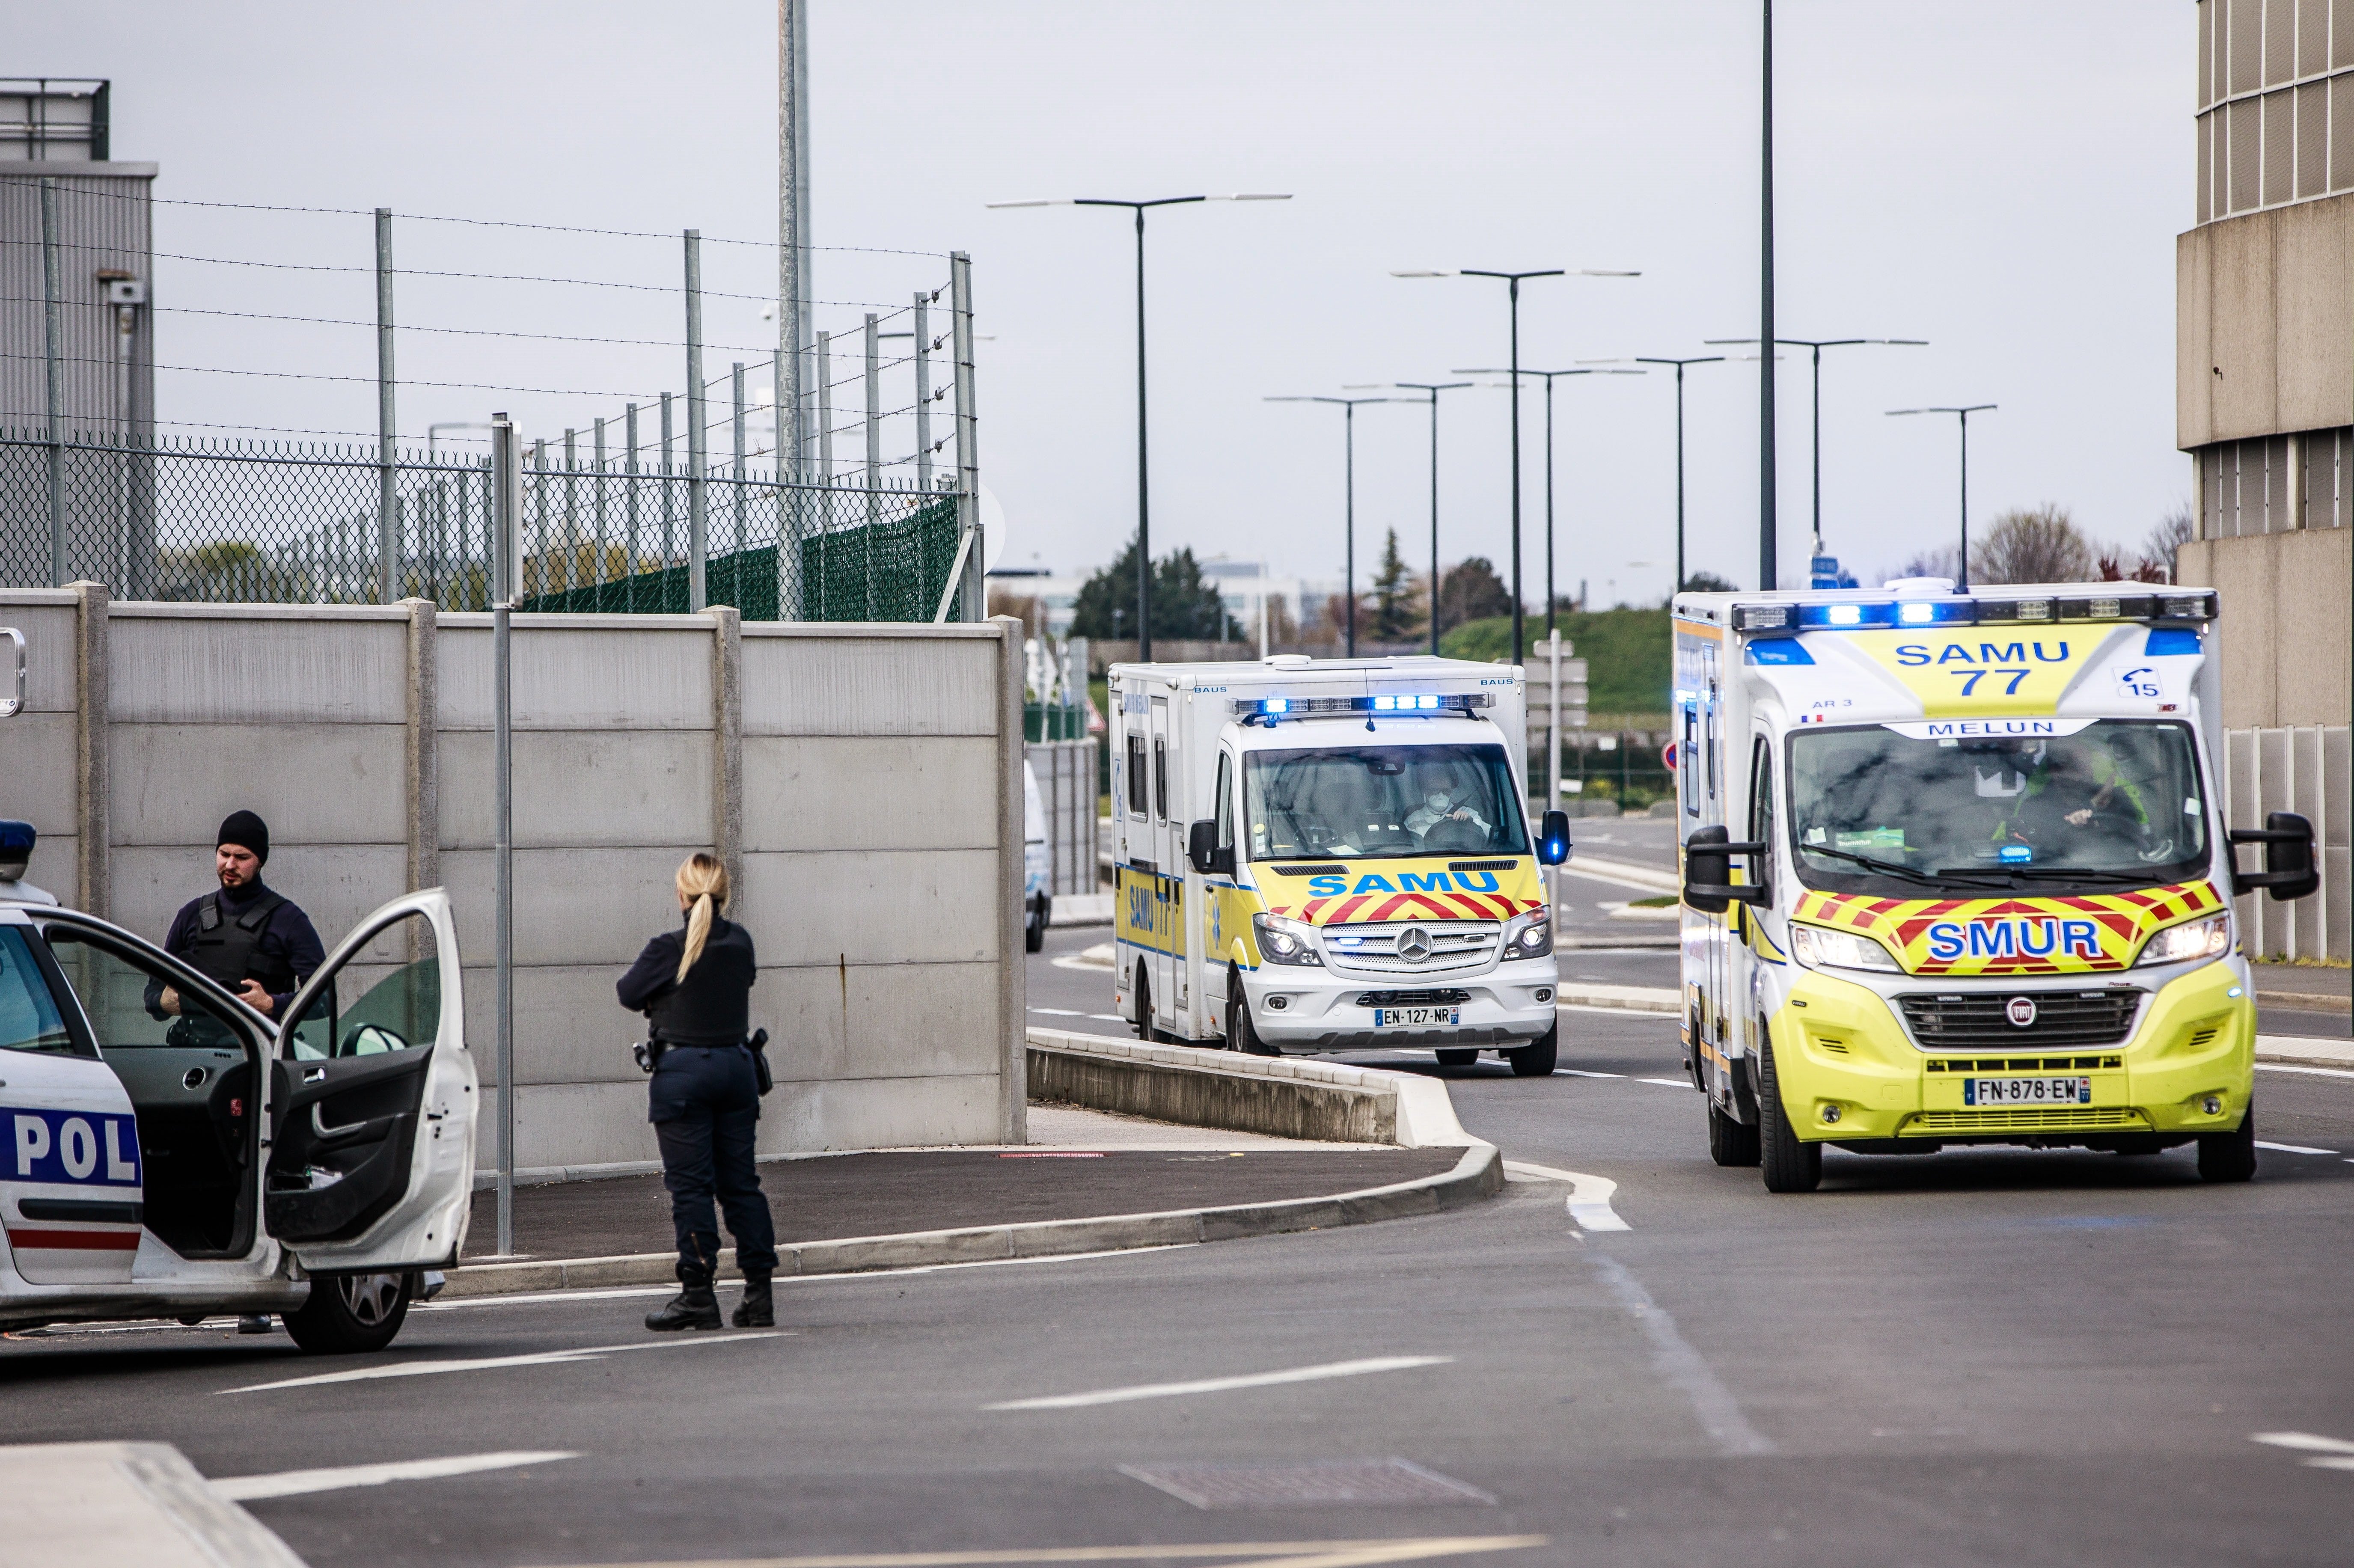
x=693 y=984
x=253 y=940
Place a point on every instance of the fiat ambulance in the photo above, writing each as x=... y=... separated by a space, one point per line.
x=1956 y=871
x=1331 y=854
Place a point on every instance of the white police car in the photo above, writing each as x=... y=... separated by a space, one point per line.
x=166 y=1151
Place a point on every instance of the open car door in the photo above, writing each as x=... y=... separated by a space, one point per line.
x=372 y=1107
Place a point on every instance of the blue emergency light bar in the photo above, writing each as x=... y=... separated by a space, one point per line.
x=1274 y=708
x=1863 y=615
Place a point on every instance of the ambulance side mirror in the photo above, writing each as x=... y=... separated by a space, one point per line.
x=1202 y=849
x=1708 y=886
x=1553 y=839
x=2289 y=871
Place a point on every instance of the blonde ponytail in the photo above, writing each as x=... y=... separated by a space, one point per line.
x=702 y=884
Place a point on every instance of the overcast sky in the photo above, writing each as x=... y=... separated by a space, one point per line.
x=2002 y=178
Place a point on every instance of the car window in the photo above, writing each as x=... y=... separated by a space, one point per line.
x=131 y=1004
x=29 y=1018
x=400 y=1007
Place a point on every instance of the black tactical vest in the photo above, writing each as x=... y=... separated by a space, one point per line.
x=228 y=949
x=713 y=1005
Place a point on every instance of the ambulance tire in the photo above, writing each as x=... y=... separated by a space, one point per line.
x=2230 y=1156
x=1536 y=1060
x=1242 y=1034
x=1731 y=1142
x=1787 y=1164
x=350 y=1313
x=1144 y=1029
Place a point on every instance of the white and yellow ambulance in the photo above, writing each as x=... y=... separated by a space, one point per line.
x=1330 y=854
x=1956 y=871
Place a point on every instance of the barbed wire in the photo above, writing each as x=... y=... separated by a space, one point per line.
x=361 y=380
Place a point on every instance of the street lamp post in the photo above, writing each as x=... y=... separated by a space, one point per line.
x=1680 y=364
x=1513 y=280
x=1963 y=580
x=1433 y=389
x=1549 y=375
x=1349 y=506
x=1143 y=505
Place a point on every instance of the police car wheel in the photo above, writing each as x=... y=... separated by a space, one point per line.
x=350 y=1312
x=2230 y=1156
x=1787 y=1164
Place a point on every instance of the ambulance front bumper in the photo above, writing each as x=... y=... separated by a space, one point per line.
x=1303 y=1009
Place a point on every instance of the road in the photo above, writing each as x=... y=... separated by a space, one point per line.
x=1975 y=1357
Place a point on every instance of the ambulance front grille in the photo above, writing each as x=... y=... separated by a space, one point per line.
x=2025 y=1118
x=1455 y=946
x=1980 y=1020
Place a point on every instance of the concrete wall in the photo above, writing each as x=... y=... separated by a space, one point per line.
x=863 y=781
x=2287 y=598
x=2264 y=323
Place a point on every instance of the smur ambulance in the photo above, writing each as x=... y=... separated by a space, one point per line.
x=1328 y=854
x=1956 y=871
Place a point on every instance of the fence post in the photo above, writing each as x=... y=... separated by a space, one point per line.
x=387 y=488
x=539 y=513
x=968 y=447
x=571 y=508
x=825 y=417
x=604 y=563
x=629 y=526
x=505 y=540
x=53 y=340
x=736 y=382
x=923 y=396
x=874 y=424
x=670 y=514
x=697 y=504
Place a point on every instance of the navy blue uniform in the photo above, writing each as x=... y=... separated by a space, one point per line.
x=704 y=1097
x=284 y=953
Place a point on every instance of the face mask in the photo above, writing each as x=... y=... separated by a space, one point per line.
x=1437 y=803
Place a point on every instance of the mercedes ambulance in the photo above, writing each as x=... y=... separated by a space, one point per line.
x=1956 y=871
x=1330 y=855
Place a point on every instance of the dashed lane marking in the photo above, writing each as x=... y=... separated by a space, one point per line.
x=2292 y=1148
x=1222 y=1384
x=1681 y=1366
x=1273 y=1554
x=1589 y=1196
x=2336 y=1454
x=1583 y=1073
x=296 y=1483
x=1058 y=1012
x=2308 y=1072
x=500 y=1363
x=1667 y=1083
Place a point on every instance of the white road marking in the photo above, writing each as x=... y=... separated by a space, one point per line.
x=2292 y=1148
x=1668 y=1083
x=2309 y=1072
x=295 y=1483
x=1107 y=1017
x=1222 y=1384
x=1359 y=1554
x=2340 y=1453
x=498 y=1363
x=1058 y=1012
x=1582 y=1073
x=1681 y=1366
x=1589 y=1196
x=1635 y=1014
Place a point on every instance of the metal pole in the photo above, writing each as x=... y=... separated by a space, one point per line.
x=629 y=513
x=795 y=255
x=1964 y=569
x=1518 y=650
x=505 y=481
x=1553 y=741
x=53 y=338
x=1349 y=489
x=571 y=510
x=604 y=562
x=826 y=412
x=1549 y=623
x=698 y=502
x=874 y=425
x=1815 y=427
x=1434 y=525
x=1768 y=554
x=736 y=377
x=387 y=487
x=670 y=512
x=1679 y=485
x=1143 y=488
x=923 y=393
x=968 y=434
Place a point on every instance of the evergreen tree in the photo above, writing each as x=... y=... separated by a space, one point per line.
x=1185 y=605
x=1398 y=597
x=1471 y=591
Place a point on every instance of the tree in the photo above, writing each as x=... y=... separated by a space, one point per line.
x=2173 y=530
x=1398 y=597
x=2040 y=545
x=1184 y=605
x=1471 y=590
x=1706 y=582
x=1942 y=561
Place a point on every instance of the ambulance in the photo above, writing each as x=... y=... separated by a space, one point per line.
x=167 y=1152
x=1331 y=854
x=1956 y=871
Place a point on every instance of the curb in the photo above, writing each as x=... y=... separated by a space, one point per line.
x=1479 y=1174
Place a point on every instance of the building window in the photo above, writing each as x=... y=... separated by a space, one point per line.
x=2271 y=484
x=2275 y=96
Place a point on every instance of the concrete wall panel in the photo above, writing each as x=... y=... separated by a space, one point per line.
x=38 y=781
x=2313 y=256
x=857 y=1021
x=2270 y=584
x=591 y=907
x=45 y=617
x=612 y=789
x=880 y=908
x=243 y=668
x=2264 y=323
x=312 y=783
x=602 y=675
x=336 y=885
x=884 y=1113
x=853 y=684
x=844 y=792
x=52 y=869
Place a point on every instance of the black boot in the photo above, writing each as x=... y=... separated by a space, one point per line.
x=695 y=1307
x=758 y=1308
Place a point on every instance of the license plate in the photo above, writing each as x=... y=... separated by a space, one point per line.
x=2027 y=1091
x=1415 y=1017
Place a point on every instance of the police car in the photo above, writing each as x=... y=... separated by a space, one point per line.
x=166 y=1151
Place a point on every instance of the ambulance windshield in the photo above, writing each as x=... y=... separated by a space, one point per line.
x=1382 y=802
x=2114 y=804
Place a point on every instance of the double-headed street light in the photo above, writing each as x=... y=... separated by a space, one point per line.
x=1513 y=280
x=1433 y=389
x=1349 y=508
x=1549 y=377
x=1143 y=508
x=1963 y=582
x=1680 y=364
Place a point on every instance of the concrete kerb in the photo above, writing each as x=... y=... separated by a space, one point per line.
x=1414 y=1111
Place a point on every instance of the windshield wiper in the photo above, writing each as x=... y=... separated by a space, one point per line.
x=2055 y=873
x=1891 y=867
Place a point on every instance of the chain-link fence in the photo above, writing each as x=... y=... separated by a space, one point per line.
x=198 y=520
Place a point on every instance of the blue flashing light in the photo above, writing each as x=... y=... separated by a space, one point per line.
x=2166 y=640
x=2015 y=854
x=16 y=836
x=1847 y=617
x=1778 y=651
x=1386 y=703
x=1844 y=614
x=1276 y=705
x=1426 y=702
x=1918 y=613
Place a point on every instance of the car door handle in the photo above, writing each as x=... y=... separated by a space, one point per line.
x=316 y=1075
x=319 y=1123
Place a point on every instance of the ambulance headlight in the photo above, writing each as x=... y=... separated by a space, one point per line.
x=1529 y=936
x=2208 y=939
x=1286 y=941
x=1821 y=947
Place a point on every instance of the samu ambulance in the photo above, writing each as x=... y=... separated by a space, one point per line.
x=1956 y=871
x=1330 y=854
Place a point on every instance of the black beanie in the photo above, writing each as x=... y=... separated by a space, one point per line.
x=246 y=831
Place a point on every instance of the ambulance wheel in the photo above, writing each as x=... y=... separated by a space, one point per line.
x=1730 y=1142
x=1242 y=1034
x=1789 y=1165
x=2230 y=1156
x=350 y=1312
x=1455 y=1056
x=1144 y=1029
x=1536 y=1060
x=1034 y=928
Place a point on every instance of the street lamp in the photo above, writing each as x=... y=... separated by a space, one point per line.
x=1433 y=389
x=1349 y=410
x=1816 y=346
x=1143 y=511
x=1963 y=582
x=1549 y=375
x=1513 y=281
x=1680 y=364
